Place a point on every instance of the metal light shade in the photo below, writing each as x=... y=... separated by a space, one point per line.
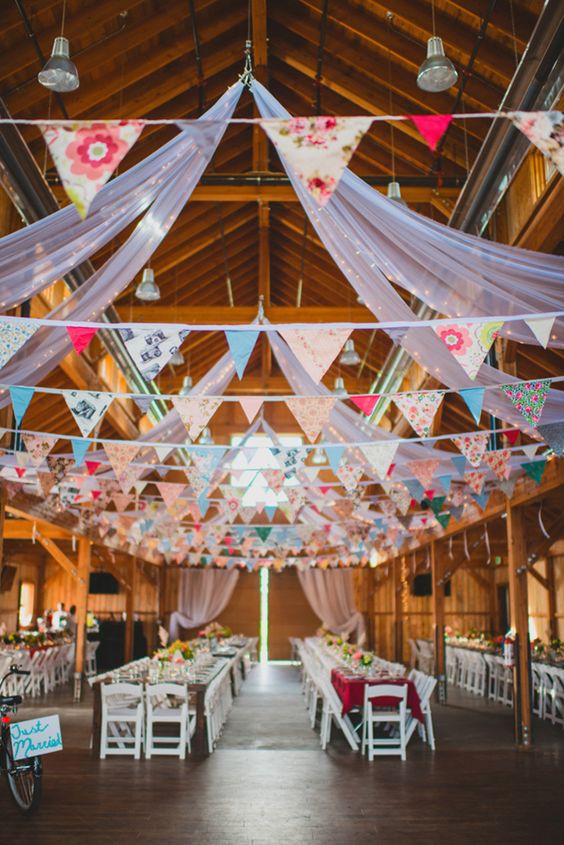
x=394 y=193
x=60 y=73
x=206 y=438
x=339 y=387
x=147 y=289
x=186 y=386
x=349 y=355
x=437 y=73
x=177 y=358
x=319 y=457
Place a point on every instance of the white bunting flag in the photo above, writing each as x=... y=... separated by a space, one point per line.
x=87 y=408
x=312 y=413
x=315 y=349
x=195 y=412
x=152 y=349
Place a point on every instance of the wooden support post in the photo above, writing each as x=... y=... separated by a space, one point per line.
x=439 y=624
x=129 y=610
x=518 y=604
x=552 y=625
x=398 y=610
x=84 y=559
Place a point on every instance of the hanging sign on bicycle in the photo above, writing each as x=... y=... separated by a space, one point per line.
x=36 y=736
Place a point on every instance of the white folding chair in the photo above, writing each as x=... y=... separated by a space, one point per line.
x=121 y=730
x=90 y=662
x=373 y=716
x=167 y=704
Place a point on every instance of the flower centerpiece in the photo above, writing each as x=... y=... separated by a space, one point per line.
x=363 y=658
x=215 y=631
x=177 y=652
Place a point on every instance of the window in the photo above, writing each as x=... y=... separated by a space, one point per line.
x=250 y=466
x=26 y=604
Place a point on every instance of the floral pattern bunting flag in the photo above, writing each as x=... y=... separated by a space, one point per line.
x=472 y=447
x=317 y=149
x=46 y=481
x=469 y=343
x=87 y=408
x=424 y=471
x=315 y=349
x=251 y=405
x=58 y=467
x=419 y=409
x=380 y=457
x=529 y=398
x=38 y=446
x=349 y=475
x=170 y=491
x=475 y=480
x=274 y=478
x=312 y=413
x=498 y=462
x=152 y=349
x=431 y=127
x=120 y=455
x=546 y=131
x=195 y=412
x=13 y=335
x=86 y=156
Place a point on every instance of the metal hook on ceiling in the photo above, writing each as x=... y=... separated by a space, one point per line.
x=246 y=78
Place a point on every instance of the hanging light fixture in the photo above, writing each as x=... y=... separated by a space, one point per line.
x=349 y=355
x=186 y=386
x=318 y=457
x=394 y=193
x=206 y=438
x=147 y=289
x=59 y=73
x=177 y=358
x=339 y=387
x=437 y=73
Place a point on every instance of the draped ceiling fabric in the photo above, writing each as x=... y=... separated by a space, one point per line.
x=179 y=171
x=203 y=594
x=330 y=595
x=374 y=241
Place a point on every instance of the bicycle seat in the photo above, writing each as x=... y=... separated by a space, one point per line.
x=10 y=700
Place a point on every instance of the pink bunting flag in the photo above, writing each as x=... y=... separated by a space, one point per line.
x=312 y=413
x=86 y=155
x=315 y=349
x=349 y=475
x=431 y=127
x=274 y=478
x=317 y=149
x=121 y=501
x=475 y=480
x=170 y=491
x=469 y=343
x=195 y=412
x=498 y=462
x=80 y=337
x=419 y=409
x=38 y=446
x=424 y=471
x=472 y=447
x=546 y=131
x=529 y=398
x=366 y=402
x=251 y=405
x=120 y=455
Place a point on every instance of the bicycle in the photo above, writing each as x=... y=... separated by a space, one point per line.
x=24 y=776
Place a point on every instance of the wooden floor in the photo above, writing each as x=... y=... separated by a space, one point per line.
x=269 y=783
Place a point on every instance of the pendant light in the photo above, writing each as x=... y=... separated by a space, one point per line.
x=349 y=355
x=59 y=73
x=394 y=193
x=186 y=386
x=339 y=387
x=437 y=73
x=147 y=289
x=177 y=358
x=318 y=457
x=206 y=438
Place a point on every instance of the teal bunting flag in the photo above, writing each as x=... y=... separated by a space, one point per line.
x=334 y=455
x=443 y=519
x=474 y=398
x=79 y=449
x=21 y=397
x=241 y=345
x=535 y=469
x=459 y=462
x=444 y=481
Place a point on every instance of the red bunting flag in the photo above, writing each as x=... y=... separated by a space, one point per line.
x=80 y=337
x=366 y=403
x=431 y=127
x=91 y=466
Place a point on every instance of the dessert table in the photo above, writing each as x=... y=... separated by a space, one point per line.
x=350 y=689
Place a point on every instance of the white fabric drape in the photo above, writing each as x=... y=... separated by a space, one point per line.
x=331 y=597
x=202 y=595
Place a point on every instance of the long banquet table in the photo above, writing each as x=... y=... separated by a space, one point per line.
x=139 y=672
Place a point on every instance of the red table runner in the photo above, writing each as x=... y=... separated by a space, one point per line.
x=351 y=692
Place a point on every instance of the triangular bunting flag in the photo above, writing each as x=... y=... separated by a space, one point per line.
x=380 y=457
x=419 y=409
x=437 y=504
x=459 y=463
x=120 y=455
x=251 y=405
x=87 y=408
x=162 y=452
x=241 y=345
x=366 y=403
x=58 y=466
x=152 y=349
x=531 y=449
x=424 y=471
x=203 y=504
x=170 y=491
x=263 y=532
x=443 y=519
x=546 y=131
x=21 y=397
x=38 y=446
x=274 y=478
x=469 y=343
x=270 y=510
x=472 y=447
x=535 y=469
x=79 y=449
x=91 y=466
x=529 y=398
x=80 y=337
x=431 y=127
x=317 y=149
x=86 y=155
x=508 y=487
x=553 y=434
x=498 y=462
x=13 y=335
x=541 y=329
x=315 y=349
x=445 y=482
x=349 y=475
x=512 y=435
x=475 y=480
x=46 y=482
x=481 y=499
x=334 y=455
x=474 y=398
x=195 y=412
x=415 y=488
x=144 y=403
x=312 y=413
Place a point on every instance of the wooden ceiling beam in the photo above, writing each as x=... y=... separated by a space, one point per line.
x=225 y=315
x=22 y=529
x=285 y=193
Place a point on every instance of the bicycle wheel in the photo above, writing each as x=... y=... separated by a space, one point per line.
x=24 y=781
